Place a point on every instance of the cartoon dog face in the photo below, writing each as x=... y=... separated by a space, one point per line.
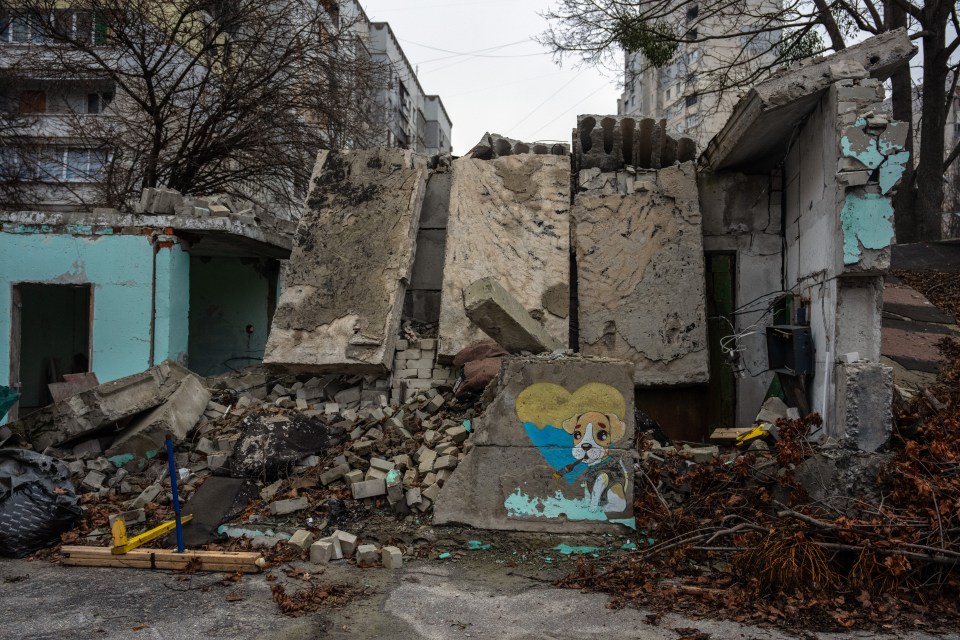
x=593 y=434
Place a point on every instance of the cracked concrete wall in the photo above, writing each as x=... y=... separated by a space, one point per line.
x=509 y=220
x=524 y=471
x=742 y=215
x=344 y=289
x=640 y=276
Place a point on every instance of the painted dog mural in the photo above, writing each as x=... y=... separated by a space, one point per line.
x=581 y=435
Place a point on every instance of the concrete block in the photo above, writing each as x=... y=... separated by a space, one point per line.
x=336 y=551
x=348 y=542
x=283 y=507
x=500 y=316
x=369 y=489
x=507 y=480
x=457 y=434
x=176 y=417
x=301 y=539
x=353 y=477
x=217 y=461
x=77 y=468
x=864 y=400
x=381 y=464
x=445 y=462
x=402 y=462
x=334 y=474
x=366 y=555
x=94 y=480
x=132 y=517
x=150 y=494
x=91 y=446
x=375 y=474
x=321 y=552
x=491 y=233
x=391 y=557
x=413 y=496
x=361 y=217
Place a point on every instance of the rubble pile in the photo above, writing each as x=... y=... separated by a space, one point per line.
x=316 y=453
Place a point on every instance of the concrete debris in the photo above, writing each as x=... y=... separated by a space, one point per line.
x=301 y=540
x=500 y=316
x=366 y=555
x=494 y=145
x=283 y=507
x=611 y=143
x=502 y=213
x=344 y=288
x=95 y=409
x=391 y=557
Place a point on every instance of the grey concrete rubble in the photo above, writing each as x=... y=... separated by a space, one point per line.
x=102 y=406
x=864 y=420
x=613 y=143
x=500 y=316
x=344 y=289
x=494 y=145
x=175 y=417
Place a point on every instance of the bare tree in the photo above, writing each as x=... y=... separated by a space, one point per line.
x=597 y=31
x=207 y=95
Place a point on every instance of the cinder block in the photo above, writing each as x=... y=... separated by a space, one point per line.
x=283 y=507
x=348 y=542
x=369 y=489
x=321 y=552
x=301 y=539
x=391 y=557
x=366 y=555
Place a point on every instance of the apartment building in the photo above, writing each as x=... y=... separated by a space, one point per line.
x=684 y=92
x=411 y=118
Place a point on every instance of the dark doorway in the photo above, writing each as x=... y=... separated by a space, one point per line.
x=51 y=337
x=721 y=288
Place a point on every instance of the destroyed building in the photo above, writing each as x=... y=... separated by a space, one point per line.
x=115 y=294
x=585 y=293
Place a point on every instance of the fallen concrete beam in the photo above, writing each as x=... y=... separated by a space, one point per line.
x=509 y=220
x=175 y=417
x=99 y=407
x=523 y=472
x=343 y=294
x=500 y=316
x=758 y=132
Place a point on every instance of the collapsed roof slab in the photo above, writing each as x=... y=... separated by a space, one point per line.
x=509 y=220
x=758 y=133
x=352 y=258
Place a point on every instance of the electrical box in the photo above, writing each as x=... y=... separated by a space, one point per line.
x=790 y=349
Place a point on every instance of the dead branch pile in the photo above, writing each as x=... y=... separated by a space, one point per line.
x=741 y=538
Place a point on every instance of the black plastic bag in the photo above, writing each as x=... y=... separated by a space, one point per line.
x=37 y=502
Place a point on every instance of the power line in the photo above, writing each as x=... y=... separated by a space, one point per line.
x=566 y=111
x=549 y=98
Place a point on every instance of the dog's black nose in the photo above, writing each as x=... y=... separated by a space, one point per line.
x=586 y=446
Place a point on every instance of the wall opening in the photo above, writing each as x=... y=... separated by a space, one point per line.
x=721 y=307
x=50 y=338
x=231 y=308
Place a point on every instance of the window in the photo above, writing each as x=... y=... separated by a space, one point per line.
x=692 y=121
x=97 y=102
x=668 y=93
x=691 y=35
x=693 y=12
x=33 y=102
x=692 y=56
x=691 y=100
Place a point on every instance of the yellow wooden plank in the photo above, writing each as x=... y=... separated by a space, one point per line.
x=242 y=561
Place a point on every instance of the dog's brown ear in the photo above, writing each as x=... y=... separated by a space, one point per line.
x=570 y=424
x=617 y=427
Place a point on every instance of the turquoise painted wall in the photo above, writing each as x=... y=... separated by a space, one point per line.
x=120 y=270
x=226 y=295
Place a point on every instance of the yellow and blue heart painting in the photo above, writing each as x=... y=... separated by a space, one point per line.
x=582 y=436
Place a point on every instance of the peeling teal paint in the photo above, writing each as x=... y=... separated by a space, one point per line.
x=520 y=505
x=867 y=221
x=892 y=170
x=393 y=476
x=120 y=460
x=446 y=555
x=567 y=550
x=628 y=546
x=477 y=545
x=867 y=153
x=172 y=325
x=244 y=532
x=468 y=425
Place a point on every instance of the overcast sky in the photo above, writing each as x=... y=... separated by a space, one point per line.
x=510 y=84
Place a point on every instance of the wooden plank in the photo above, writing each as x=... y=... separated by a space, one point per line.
x=243 y=561
x=728 y=434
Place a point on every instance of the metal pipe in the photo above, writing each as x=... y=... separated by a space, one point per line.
x=175 y=492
